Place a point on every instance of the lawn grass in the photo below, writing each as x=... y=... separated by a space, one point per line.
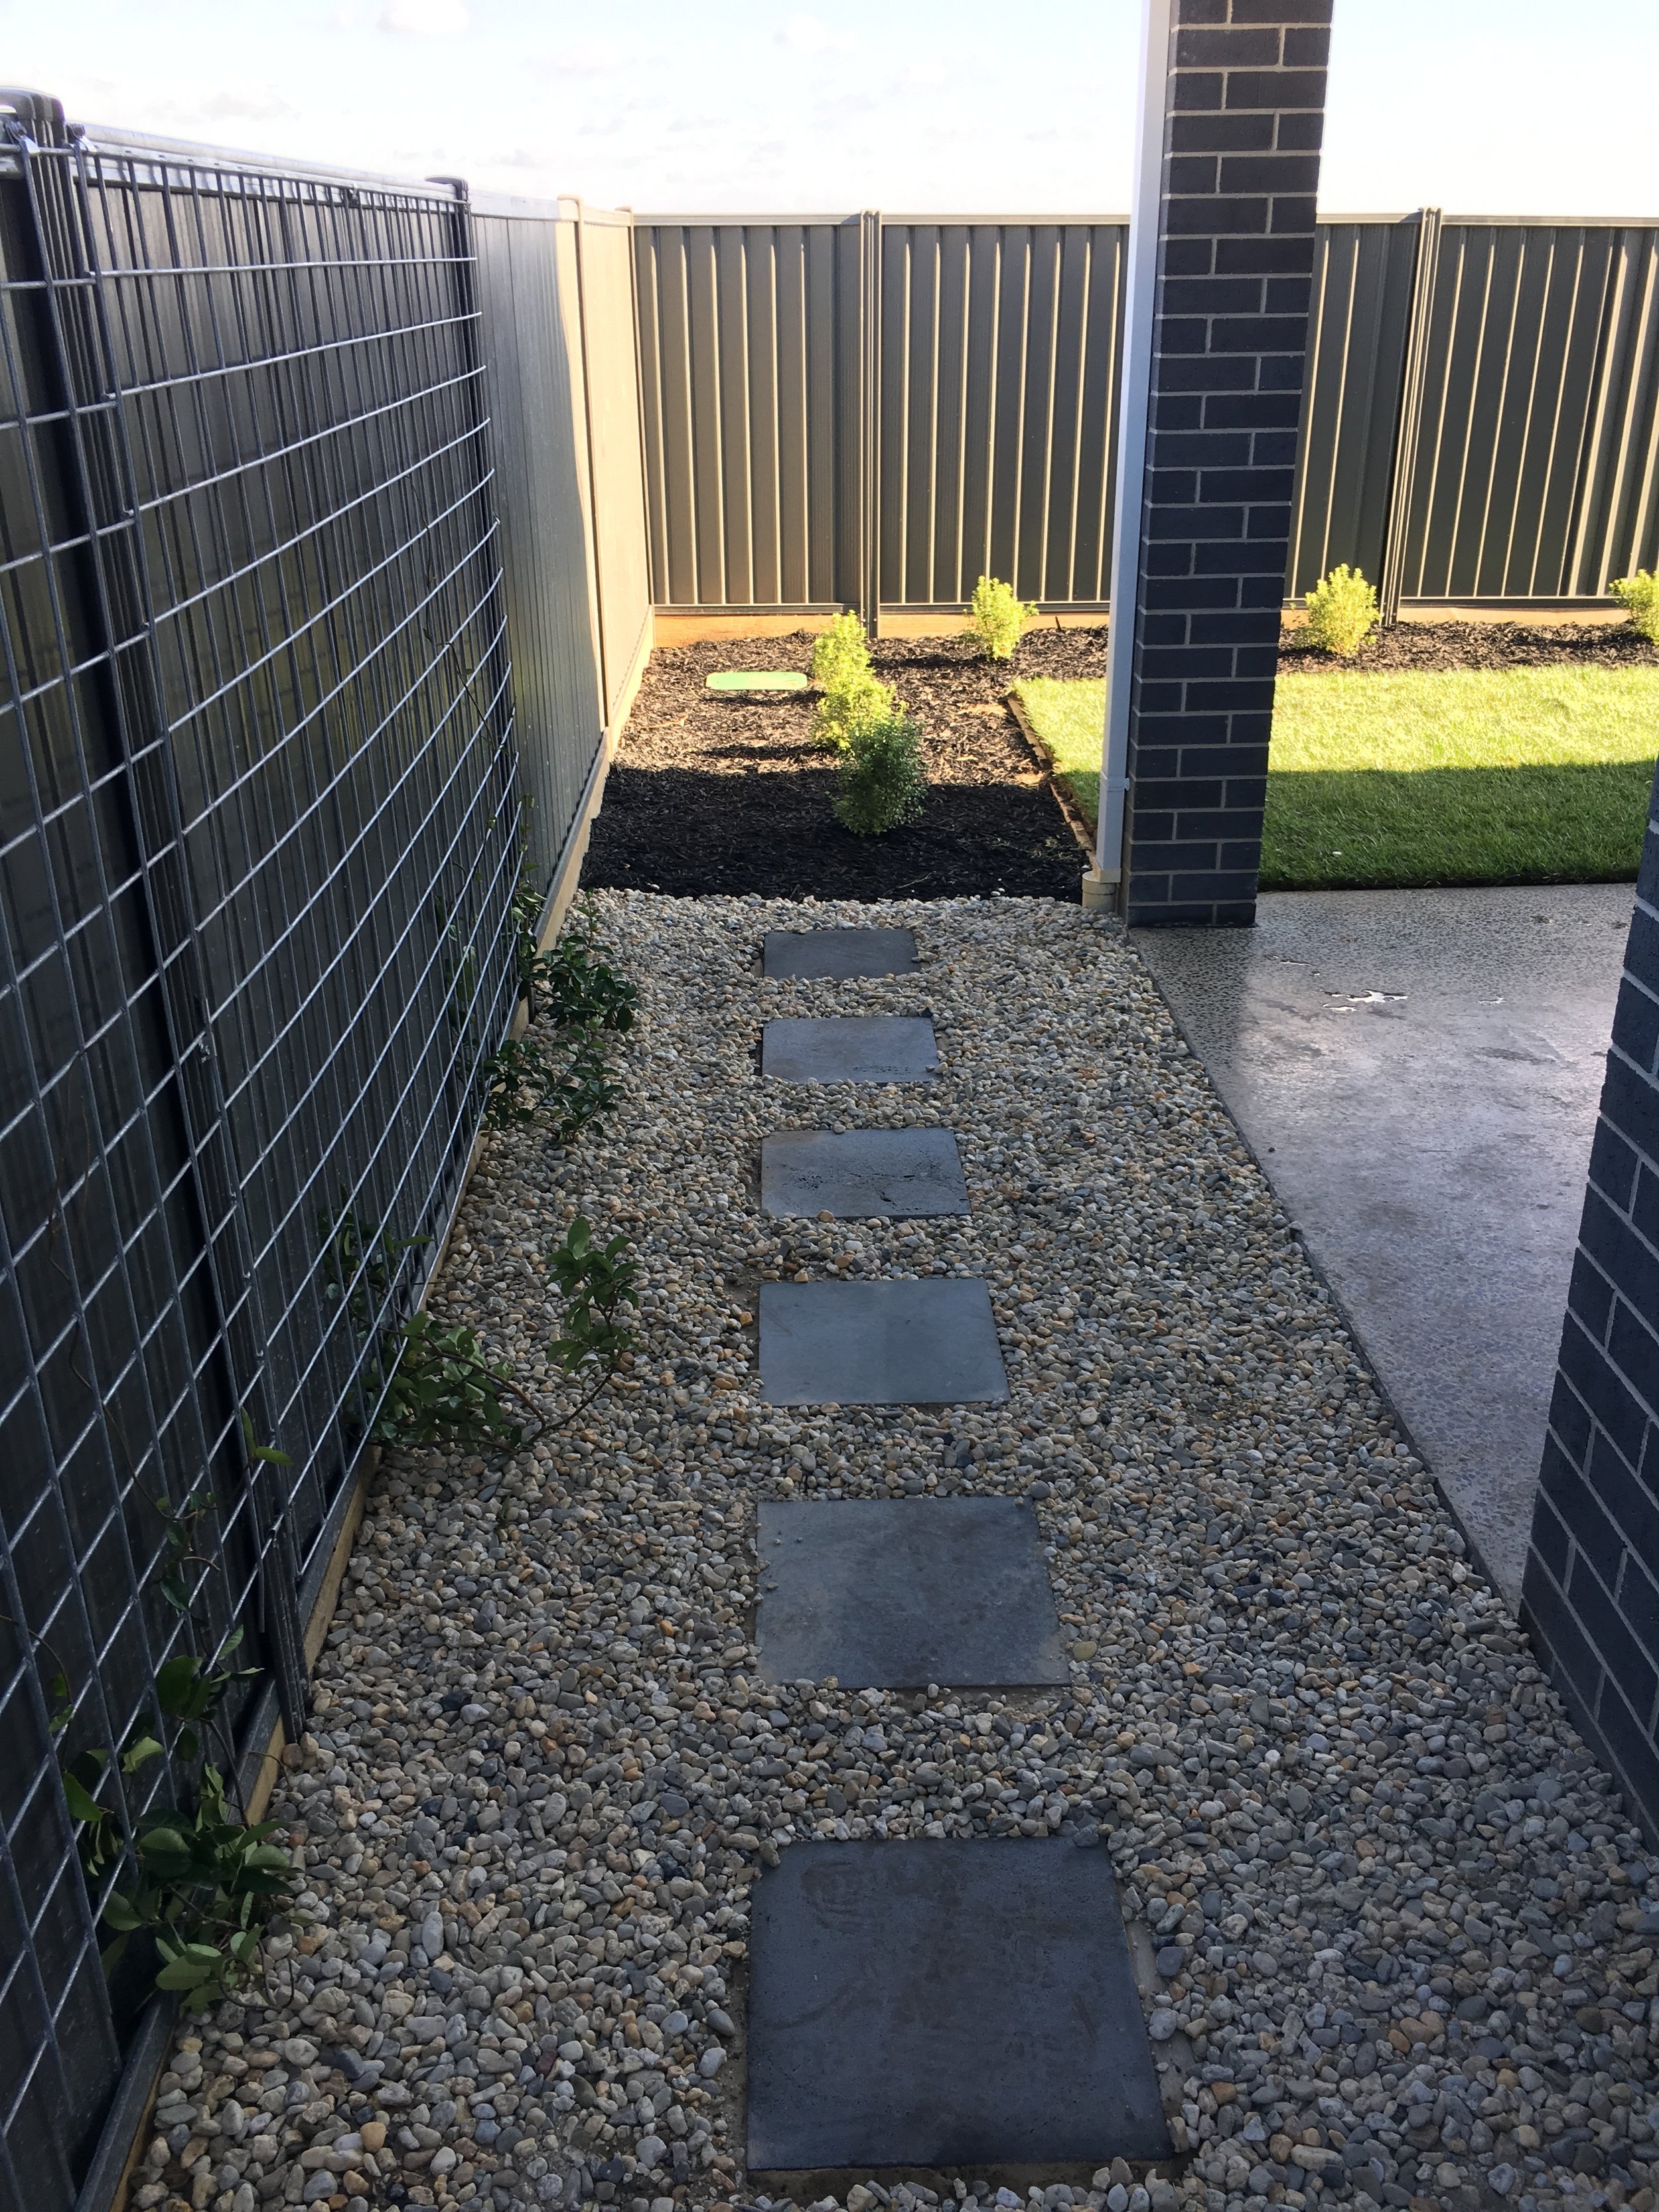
x=1521 y=775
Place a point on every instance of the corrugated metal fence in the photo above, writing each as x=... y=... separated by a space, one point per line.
x=556 y=315
x=870 y=410
x=259 y=830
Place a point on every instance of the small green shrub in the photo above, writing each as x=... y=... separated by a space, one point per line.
x=841 y=653
x=857 y=698
x=584 y=990
x=528 y=1080
x=445 y=1390
x=1638 y=595
x=882 y=774
x=596 y=1281
x=998 y=617
x=1341 y=611
x=208 y=1890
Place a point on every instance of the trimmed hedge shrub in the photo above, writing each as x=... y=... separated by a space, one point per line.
x=840 y=654
x=859 y=697
x=882 y=774
x=1638 y=595
x=1341 y=611
x=998 y=617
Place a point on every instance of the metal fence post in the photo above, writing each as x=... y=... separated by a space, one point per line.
x=870 y=420
x=1408 y=421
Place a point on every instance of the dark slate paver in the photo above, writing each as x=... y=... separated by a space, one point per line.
x=838 y=954
x=856 y=1173
x=926 y=1343
x=944 y=2004
x=855 y=1049
x=893 y=1594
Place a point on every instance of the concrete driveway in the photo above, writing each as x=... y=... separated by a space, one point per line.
x=1418 y=1073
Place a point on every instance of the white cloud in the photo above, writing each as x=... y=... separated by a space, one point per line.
x=805 y=34
x=594 y=58
x=424 y=19
x=246 y=105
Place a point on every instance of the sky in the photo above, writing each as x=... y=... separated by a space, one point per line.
x=1024 y=106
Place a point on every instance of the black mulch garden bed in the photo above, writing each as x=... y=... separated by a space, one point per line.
x=726 y=792
x=1480 y=645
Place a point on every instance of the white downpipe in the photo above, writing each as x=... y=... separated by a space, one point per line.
x=1139 y=301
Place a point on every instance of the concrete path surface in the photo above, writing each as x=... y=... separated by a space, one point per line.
x=1419 y=1072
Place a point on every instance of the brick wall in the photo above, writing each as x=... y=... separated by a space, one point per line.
x=1243 y=116
x=1591 y=1593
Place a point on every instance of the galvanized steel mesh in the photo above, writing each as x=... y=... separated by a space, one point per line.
x=258 y=834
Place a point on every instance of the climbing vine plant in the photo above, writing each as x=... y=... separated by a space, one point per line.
x=575 y=999
x=436 y=1385
x=201 y=1886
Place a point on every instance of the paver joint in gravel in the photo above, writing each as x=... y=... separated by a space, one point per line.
x=1402 y=1928
x=946 y=2005
x=839 y=955
x=853 y=1048
x=879 y=1344
x=896 y=1592
x=856 y=1173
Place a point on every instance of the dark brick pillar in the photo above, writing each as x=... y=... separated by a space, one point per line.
x=1244 y=112
x=1591 y=1593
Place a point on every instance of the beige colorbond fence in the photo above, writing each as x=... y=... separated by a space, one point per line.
x=870 y=410
x=556 y=318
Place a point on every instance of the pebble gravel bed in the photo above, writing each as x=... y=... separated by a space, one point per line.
x=1398 y=1938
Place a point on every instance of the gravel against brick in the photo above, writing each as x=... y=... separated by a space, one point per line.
x=1398 y=1936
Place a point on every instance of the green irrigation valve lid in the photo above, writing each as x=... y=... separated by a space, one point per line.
x=755 y=680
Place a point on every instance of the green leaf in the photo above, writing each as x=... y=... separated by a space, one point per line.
x=167 y=1847
x=136 y=1753
x=180 y=1689
x=267 y=1453
x=187 y=1972
x=82 y=1803
x=119 y=1911
x=63 y=1711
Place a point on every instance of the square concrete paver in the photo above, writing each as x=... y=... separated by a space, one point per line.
x=838 y=954
x=928 y=1343
x=894 y=1593
x=951 y=2005
x=856 y=1048
x=855 y=1173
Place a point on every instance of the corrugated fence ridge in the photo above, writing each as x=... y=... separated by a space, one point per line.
x=1480 y=425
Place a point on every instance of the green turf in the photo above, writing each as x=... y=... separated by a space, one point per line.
x=1463 y=776
x=755 y=680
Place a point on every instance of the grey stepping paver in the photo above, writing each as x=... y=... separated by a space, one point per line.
x=944 y=2004
x=855 y=1173
x=892 y=1594
x=926 y=1343
x=838 y=954
x=854 y=1048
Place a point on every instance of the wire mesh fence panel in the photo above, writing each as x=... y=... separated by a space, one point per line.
x=258 y=846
